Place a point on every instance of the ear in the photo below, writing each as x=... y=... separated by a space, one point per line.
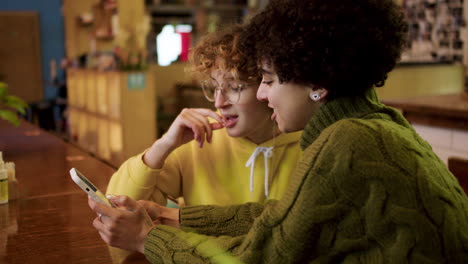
x=318 y=94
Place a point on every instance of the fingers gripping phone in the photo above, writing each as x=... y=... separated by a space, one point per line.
x=89 y=188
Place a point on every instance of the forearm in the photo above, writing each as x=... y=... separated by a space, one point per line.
x=166 y=244
x=220 y=220
x=137 y=181
x=123 y=182
x=155 y=156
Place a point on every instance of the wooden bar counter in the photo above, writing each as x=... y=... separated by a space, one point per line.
x=50 y=221
x=448 y=110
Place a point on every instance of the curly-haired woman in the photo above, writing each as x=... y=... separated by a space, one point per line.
x=247 y=158
x=368 y=190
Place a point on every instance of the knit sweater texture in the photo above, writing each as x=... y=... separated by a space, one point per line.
x=368 y=190
x=215 y=174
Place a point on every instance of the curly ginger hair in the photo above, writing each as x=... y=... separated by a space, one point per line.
x=221 y=51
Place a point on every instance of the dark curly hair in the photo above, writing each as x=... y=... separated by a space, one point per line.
x=344 y=46
x=221 y=50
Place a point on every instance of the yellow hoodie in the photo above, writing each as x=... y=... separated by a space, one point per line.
x=214 y=174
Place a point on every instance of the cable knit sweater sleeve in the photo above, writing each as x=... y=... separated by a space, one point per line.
x=286 y=231
x=366 y=192
x=221 y=220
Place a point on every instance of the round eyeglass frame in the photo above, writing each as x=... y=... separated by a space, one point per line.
x=207 y=91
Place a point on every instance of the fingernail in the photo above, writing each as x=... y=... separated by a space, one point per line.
x=110 y=196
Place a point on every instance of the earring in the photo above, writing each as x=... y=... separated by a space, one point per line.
x=315 y=97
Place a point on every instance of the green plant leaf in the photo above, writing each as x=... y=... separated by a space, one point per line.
x=16 y=103
x=9 y=116
x=3 y=89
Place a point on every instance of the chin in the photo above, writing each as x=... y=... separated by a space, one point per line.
x=286 y=129
x=281 y=127
x=232 y=132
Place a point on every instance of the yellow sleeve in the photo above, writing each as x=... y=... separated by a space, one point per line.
x=141 y=182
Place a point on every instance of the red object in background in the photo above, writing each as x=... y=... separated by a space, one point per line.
x=186 y=39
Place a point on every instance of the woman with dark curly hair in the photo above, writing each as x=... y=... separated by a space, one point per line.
x=368 y=190
x=248 y=159
x=181 y=164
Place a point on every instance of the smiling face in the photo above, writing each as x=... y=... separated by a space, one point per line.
x=248 y=117
x=291 y=102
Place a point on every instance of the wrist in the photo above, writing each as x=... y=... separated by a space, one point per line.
x=149 y=226
x=157 y=154
x=141 y=247
x=171 y=214
x=171 y=217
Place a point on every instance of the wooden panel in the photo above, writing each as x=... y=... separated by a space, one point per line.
x=138 y=110
x=437 y=120
x=20 y=57
x=77 y=38
x=131 y=13
x=448 y=111
x=129 y=118
x=422 y=80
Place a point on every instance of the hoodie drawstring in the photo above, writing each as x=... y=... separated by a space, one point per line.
x=267 y=153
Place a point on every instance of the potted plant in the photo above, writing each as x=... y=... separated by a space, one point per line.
x=10 y=105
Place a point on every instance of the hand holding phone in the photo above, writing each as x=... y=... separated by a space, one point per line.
x=89 y=188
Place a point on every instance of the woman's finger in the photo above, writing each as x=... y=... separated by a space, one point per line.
x=104 y=237
x=216 y=126
x=151 y=208
x=99 y=208
x=123 y=201
x=100 y=226
x=197 y=128
x=210 y=113
x=206 y=123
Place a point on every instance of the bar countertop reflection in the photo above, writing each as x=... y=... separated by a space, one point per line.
x=50 y=222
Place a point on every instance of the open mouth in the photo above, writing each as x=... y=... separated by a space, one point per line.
x=273 y=116
x=230 y=120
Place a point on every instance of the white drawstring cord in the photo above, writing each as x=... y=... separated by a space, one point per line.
x=267 y=153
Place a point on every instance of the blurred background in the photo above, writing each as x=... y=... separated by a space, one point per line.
x=109 y=75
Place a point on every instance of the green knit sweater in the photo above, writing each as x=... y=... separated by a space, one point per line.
x=368 y=190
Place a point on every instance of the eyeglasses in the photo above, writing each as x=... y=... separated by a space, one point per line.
x=231 y=90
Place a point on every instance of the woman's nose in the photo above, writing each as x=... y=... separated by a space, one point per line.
x=262 y=93
x=220 y=100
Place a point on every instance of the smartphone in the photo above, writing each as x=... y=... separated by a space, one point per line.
x=89 y=188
